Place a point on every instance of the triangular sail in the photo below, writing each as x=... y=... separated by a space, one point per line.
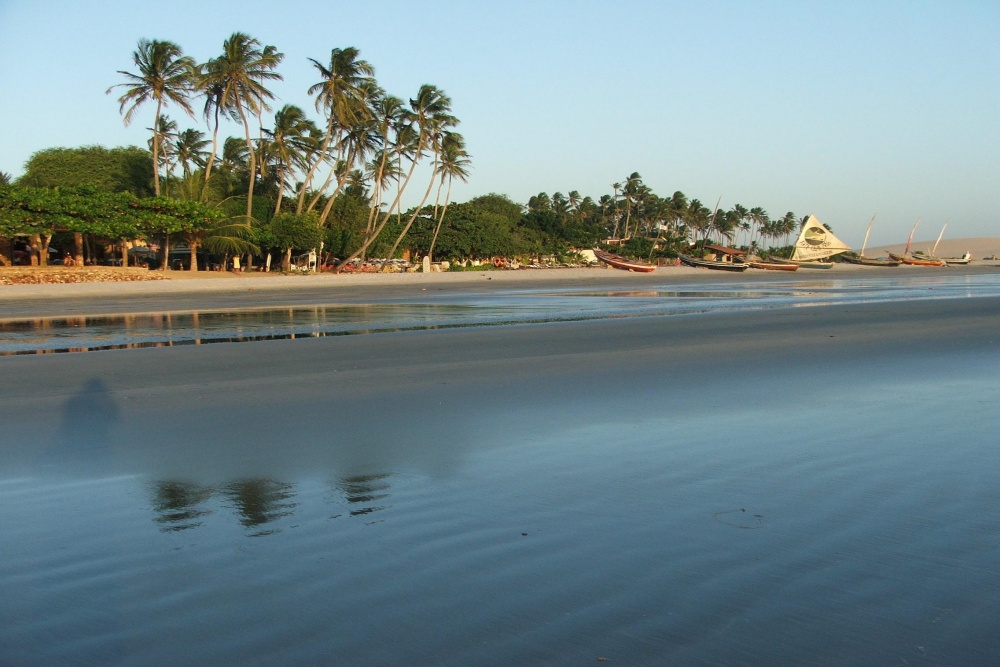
x=817 y=242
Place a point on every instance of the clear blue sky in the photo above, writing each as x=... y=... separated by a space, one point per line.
x=840 y=109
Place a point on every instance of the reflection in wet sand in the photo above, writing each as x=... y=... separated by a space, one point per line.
x=80 y=334
x=259 y=504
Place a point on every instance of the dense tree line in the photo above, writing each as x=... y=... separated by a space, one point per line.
x=291 y=183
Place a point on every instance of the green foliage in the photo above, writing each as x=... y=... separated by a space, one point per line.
x=346 y=225
x=298 y=232
x=110 y=169
x=116 y=215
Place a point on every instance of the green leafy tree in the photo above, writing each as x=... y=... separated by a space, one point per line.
x=110 y=169
x=291 y=231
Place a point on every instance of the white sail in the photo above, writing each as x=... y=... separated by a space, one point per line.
x=817 y=242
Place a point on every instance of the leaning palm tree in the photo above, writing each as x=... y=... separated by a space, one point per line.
x=420 y=130
x=239 y=76
x=454 y=164
x=432 y=115
x=165 y=75
x=340 y=95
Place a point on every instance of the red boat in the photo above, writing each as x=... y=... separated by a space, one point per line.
x=619 y=262
x=909 y=259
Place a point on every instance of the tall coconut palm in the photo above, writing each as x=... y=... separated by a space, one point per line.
x=290 y=142
x=164 y=75
x=191 y=150
x=454 y=164
x=431 y=110
x=239 y=76
x=389 y=114
x=358 y=141
x=419 y=131
x=163 y=133
x=339 y=95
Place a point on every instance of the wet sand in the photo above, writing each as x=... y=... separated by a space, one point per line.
x=793 y=486
x=183 y=293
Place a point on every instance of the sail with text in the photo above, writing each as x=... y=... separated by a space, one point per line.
x=817 y=242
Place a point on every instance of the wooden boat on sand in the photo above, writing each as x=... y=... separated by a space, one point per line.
x=958 y=261
x=771 y=265
x=868 y=261
x=860 y=258
x=907 y=258
x=712 y=264
x=916 y=261
x=619 y=262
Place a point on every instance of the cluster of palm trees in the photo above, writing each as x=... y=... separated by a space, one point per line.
x=633 y=210
x=367 y=141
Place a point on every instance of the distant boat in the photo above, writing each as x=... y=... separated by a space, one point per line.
x=860 y=258
x=713 y=264
x=932 y=255
x=771 y=265
x=619 y=262
x=868 y=261
x=815 y=244
x=916 y=261
x=907 y=258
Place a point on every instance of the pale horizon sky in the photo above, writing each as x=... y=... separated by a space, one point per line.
x=839 y=109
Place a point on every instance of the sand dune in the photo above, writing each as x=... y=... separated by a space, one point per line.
x=980 y=247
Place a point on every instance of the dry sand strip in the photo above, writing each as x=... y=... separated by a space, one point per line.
x=181 y=293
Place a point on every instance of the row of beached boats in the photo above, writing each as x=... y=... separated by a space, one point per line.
x=813 y=249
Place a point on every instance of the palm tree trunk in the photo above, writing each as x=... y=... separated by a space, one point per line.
x=440 y=220
x=416 y=212
x=156 y=148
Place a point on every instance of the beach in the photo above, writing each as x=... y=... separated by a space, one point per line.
x=808 y=482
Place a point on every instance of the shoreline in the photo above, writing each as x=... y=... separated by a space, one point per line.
x=179 y=293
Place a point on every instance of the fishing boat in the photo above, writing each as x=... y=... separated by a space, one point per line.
x=860 y=258
x=815 y=245
x=908 y=258
x=772 y=265
x=916 y=261
x=619 y=262
x=932 y=255
x=718 y=265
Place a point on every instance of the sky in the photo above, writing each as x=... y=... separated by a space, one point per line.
x=841 y=109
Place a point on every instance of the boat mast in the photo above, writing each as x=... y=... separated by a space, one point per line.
x=910 y=240
x=934 y=249
x=865 y=242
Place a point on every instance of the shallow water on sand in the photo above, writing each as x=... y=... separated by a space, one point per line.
x=679 y=518
x=93 y=333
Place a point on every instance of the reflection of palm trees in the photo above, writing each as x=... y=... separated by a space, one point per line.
x=365 y=490
x=176 y=504
x=260 y=501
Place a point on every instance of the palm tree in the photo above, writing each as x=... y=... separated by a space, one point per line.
x=290 y=144
x=165 y=75
x=238 y=77
x=165 y=130
x=454 y=164
x=191 y=150
x=6 y=178
x=339 y=94
x=432 y=116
